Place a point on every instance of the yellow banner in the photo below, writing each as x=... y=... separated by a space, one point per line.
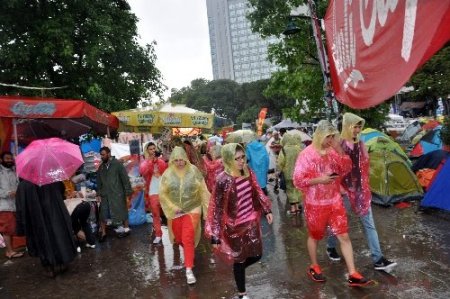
x=165 y=119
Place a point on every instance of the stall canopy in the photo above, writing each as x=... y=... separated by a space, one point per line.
x=175 y=116
x=37 y=118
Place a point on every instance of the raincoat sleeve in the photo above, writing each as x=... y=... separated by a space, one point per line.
x=203 y=193
x=215 y=211
x=100 y=181
x=303 y=171
x=125 y=181
x=281 y=161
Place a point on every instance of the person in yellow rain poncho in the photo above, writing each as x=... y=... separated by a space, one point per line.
x=183 y=195
x=291 y=147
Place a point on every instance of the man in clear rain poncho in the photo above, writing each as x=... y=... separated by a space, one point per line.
x=291 y=147
x=357 y=187
x=183 y=195
x=234 y=215
x=318 y=172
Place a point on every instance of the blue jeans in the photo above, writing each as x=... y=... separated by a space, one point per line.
x=370 y=232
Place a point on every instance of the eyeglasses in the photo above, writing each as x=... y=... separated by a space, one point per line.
x=240 y=158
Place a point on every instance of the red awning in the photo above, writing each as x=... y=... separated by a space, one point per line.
x=45 y=117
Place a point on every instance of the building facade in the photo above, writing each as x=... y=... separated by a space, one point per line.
x=236 y=52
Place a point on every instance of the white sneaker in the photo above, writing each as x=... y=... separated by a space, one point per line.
x=90 y=246
x=127 y=230
x=190 y=278
x=157 y=240
x=78 y=249
x=119 y=229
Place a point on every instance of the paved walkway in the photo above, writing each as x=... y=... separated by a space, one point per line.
x=133 y=268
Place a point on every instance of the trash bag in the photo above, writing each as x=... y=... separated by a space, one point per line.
x=136 y=213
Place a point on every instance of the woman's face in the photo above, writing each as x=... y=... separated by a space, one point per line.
x=239 y=160
x=179 y=163
x=328 y=141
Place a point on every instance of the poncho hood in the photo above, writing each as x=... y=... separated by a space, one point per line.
x=349 y=120
x=228 y=152
x=291 y=139
x=178 y=153
x=324 y=128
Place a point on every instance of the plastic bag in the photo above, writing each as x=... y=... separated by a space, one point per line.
x=136 y=213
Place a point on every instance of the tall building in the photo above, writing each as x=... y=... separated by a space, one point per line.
x=236 y=52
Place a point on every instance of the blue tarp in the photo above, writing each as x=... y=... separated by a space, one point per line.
x=437 y=196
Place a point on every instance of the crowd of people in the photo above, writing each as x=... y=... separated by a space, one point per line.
x=221 y=188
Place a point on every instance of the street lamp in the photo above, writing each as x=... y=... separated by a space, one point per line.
x=321 y=51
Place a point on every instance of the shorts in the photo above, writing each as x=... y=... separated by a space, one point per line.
x=8 y=223
x=319 y=217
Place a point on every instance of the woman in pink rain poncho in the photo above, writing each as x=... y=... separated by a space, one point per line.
x=183 y=196
x=214 y=166
x=234 y=214
x=318 y=172
x=151 y=169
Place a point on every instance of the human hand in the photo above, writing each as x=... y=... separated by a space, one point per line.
x=269 y=218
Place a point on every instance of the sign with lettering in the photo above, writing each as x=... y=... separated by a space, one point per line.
x=21 y=109
x=374 y=46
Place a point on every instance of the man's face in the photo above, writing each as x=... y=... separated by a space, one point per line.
x=8 y=161
x=105 y=156
x=151 y=149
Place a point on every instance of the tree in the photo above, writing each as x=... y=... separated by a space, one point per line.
x=239 y=103
x=88 y=47
x=301 y=76
x=431 y=81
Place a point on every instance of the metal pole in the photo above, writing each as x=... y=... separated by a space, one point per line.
x=321 y=51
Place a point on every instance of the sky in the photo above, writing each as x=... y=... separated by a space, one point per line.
x=180 y=29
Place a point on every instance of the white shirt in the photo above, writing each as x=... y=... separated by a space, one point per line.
x=8 y=183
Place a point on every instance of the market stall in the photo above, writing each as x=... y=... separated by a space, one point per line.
x=172 y=116
x=24 y=119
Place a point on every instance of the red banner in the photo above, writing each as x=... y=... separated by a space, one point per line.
x=261 y=118
x=375 y=46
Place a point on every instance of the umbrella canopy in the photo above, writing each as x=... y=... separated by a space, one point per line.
x=241 y=136
x=46 y=161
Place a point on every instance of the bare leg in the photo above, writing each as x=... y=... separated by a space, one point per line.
x=347 y=252
x=312 y=250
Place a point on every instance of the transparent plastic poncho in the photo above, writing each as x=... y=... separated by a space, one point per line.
x=236 y=241
x=183 y=191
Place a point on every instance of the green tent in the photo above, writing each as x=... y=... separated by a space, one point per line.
x=391 y=178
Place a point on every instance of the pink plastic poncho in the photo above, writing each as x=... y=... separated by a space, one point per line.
x=237 y=241
x=356 y=183
x=311 y=164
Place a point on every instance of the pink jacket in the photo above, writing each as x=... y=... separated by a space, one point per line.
x=146 y=170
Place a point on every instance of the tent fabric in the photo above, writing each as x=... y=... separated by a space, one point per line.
x=391 y=179
x=38 y=118
x=437 y=195
x=431 y=141
x=430 y=160
x=370 y=133
x=285 y=123
x=410 y=131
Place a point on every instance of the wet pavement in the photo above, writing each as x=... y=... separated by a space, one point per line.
x=134 y=268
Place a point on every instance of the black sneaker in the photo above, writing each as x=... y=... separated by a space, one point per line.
x=384 y=264
x=333 y=255
x=357 y=280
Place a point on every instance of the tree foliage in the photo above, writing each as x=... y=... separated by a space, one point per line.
x=301 y=76
x=88 y=46
x=240 y=103
x=432 y=80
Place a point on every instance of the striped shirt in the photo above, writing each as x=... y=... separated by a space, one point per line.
x=245 y=211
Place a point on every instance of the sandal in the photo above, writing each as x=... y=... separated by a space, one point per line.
x=15 y=255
